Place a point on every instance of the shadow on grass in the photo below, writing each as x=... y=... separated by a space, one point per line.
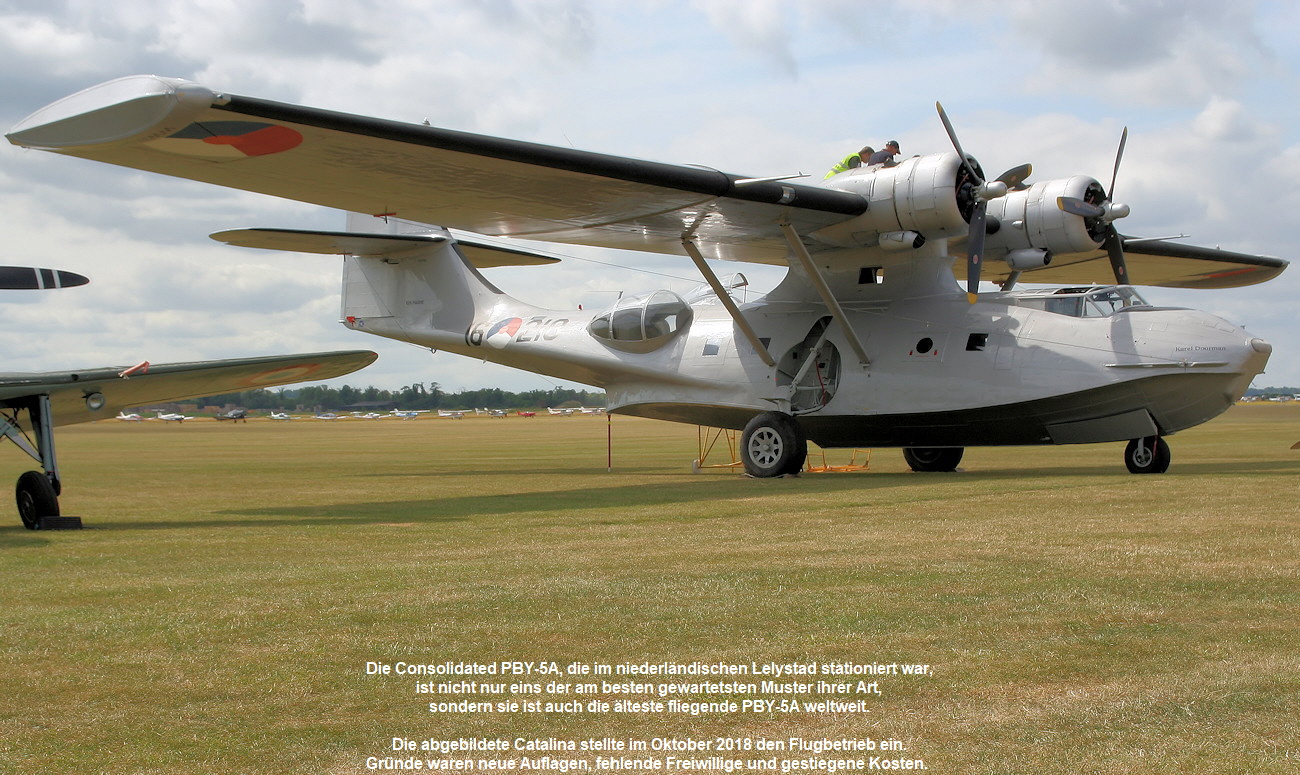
x=624 y=504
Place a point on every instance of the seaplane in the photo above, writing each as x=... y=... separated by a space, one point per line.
x=883 y=331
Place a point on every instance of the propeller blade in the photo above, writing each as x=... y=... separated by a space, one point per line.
x=1115 y=249
x=1079 y=207
x=975 y=250
x=952 y=135
x=1016 y=176
x=1123 y=138
x=31 y=278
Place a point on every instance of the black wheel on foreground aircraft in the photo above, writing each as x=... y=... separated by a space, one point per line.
x=773 y=444
x=1147 y=456
x=36 y=499
x=936 y=459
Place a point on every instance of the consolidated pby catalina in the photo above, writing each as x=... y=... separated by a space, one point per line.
x=868 y=341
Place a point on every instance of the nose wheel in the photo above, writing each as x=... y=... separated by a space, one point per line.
x=1148 y=455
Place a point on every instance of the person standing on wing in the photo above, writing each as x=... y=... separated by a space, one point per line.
x=886 y=156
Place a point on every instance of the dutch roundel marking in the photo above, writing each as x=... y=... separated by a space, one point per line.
x=503 y=332
x=500 y=334
x=230 y=140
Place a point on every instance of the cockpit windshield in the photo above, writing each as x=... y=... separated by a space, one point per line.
x=1092 y=302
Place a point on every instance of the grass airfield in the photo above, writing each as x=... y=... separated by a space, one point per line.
x=219 y=610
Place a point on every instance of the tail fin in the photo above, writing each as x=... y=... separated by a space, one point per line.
x=401 y=279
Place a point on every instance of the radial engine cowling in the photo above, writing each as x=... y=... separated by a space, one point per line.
x=1036 y=222
x=918 y=195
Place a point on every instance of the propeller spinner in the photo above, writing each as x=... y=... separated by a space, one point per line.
x=1105 y=215
x=983 y=192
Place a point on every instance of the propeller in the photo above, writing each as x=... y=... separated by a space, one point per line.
x=983 y=192
x=1016 y=176
x=31 y=278
x=1105 y=213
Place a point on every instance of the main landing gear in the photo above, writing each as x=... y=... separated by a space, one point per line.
x=37 y=492
x=773 y=444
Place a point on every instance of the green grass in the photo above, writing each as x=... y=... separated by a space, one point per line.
x=217 y=613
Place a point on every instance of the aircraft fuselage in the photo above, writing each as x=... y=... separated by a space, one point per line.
x=1090 y=365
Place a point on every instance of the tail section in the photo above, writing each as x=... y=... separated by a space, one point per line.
x=417 y=283
x=410 y=278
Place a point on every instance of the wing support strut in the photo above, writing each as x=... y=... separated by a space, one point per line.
x=723 y=296
x=42 y=423
x=805 y=260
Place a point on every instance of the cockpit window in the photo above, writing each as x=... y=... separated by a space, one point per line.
x=642 y=323
x=1093 y=302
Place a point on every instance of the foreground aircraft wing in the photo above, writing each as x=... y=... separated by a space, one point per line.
x=1150 y=262
x=72 y=392
x=455 y=179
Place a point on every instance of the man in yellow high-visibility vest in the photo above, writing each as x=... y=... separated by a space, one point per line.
x=855 y=159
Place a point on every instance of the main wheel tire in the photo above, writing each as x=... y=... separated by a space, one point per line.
x=927 y=459
x=773 y=444
x=1147 y=456
x=36 y=499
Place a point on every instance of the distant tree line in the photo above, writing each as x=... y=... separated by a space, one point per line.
x=417 y=396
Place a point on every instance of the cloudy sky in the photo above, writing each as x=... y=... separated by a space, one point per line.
x=754 y=87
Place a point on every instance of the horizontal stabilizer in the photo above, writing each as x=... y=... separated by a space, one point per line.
x=483 y=255
x=28 y=278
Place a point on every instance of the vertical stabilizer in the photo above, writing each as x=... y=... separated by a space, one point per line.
x=417 y=281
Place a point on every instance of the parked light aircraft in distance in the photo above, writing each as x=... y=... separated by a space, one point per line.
x=281 y=416
x=410 y=414
x=32 y=404
x=868 y=341
x=234 y=415
x=175 y=417
x=454 y=414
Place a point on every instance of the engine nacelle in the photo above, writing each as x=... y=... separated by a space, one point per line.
x=918 y=195
x=1031 y=218
x=1028 y=258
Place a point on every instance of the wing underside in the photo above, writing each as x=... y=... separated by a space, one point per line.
x=1150 y=262
x=69 y=390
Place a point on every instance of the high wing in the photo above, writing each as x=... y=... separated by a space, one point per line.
x=503 y=187
x=464 y=181
x=70 y=391
x=1151 y=262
